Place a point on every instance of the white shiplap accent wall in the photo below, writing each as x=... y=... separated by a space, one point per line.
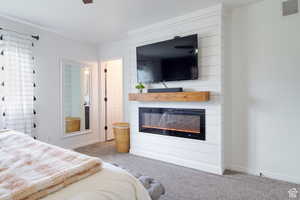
x=204 y=155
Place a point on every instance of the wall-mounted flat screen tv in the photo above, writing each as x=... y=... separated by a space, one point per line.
x=171 y=60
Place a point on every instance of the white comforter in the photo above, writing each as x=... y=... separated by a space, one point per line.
x=111 y=183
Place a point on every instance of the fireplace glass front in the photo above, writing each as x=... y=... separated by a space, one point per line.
x=186 y=123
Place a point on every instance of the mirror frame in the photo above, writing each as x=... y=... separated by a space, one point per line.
x=63 y=62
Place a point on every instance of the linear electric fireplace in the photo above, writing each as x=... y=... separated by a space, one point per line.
x=186 y=123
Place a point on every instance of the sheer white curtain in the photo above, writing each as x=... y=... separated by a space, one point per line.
x=17 y=78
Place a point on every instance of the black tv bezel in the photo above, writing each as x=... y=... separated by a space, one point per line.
x=175 y=38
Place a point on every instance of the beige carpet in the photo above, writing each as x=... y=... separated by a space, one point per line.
x=187 y=184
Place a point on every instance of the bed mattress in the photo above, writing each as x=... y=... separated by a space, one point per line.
x=111 y=183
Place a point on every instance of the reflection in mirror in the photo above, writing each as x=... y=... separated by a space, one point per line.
x=76 y=97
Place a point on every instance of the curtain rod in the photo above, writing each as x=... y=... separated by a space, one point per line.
x=36 y=37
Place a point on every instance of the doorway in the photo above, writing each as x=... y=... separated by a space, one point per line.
x=111 y=95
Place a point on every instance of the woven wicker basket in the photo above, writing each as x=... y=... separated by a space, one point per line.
x=122 y=136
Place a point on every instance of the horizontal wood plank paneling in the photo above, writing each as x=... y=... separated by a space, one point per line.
x=204 y=155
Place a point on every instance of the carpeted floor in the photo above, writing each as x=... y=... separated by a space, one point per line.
x=187 y=184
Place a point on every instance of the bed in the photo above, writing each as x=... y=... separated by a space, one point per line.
x=112 y=183
x=103 y=182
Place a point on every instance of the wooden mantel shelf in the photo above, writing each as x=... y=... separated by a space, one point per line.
x=171 y=97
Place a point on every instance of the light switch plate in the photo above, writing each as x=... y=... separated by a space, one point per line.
x=290 y=7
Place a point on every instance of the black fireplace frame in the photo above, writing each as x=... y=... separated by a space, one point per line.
x=197 y=112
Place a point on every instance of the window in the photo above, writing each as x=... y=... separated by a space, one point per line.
x=17 y=78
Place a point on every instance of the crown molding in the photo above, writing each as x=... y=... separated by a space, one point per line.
x=25 y=22
x=42 y=28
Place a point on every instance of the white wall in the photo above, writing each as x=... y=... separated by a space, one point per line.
x=49 y=50
x=265 y=84
x=205 y=155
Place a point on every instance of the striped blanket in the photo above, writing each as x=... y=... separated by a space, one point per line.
x=31 y=170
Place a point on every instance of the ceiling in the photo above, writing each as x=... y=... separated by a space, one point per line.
x=105 y=20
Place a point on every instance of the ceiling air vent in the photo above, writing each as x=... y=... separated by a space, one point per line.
x=289 y=7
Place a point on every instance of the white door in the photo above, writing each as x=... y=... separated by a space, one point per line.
x=112 y=93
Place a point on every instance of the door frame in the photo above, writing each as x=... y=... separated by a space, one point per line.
x=102 y=117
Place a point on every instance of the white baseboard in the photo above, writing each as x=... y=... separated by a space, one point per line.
x=178 y=161
x=243 y=169
x=268 y=174
x=282 y=177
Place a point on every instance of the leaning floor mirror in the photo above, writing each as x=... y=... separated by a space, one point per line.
x=75 y=98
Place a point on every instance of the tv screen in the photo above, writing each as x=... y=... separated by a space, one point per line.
x=171 y=60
